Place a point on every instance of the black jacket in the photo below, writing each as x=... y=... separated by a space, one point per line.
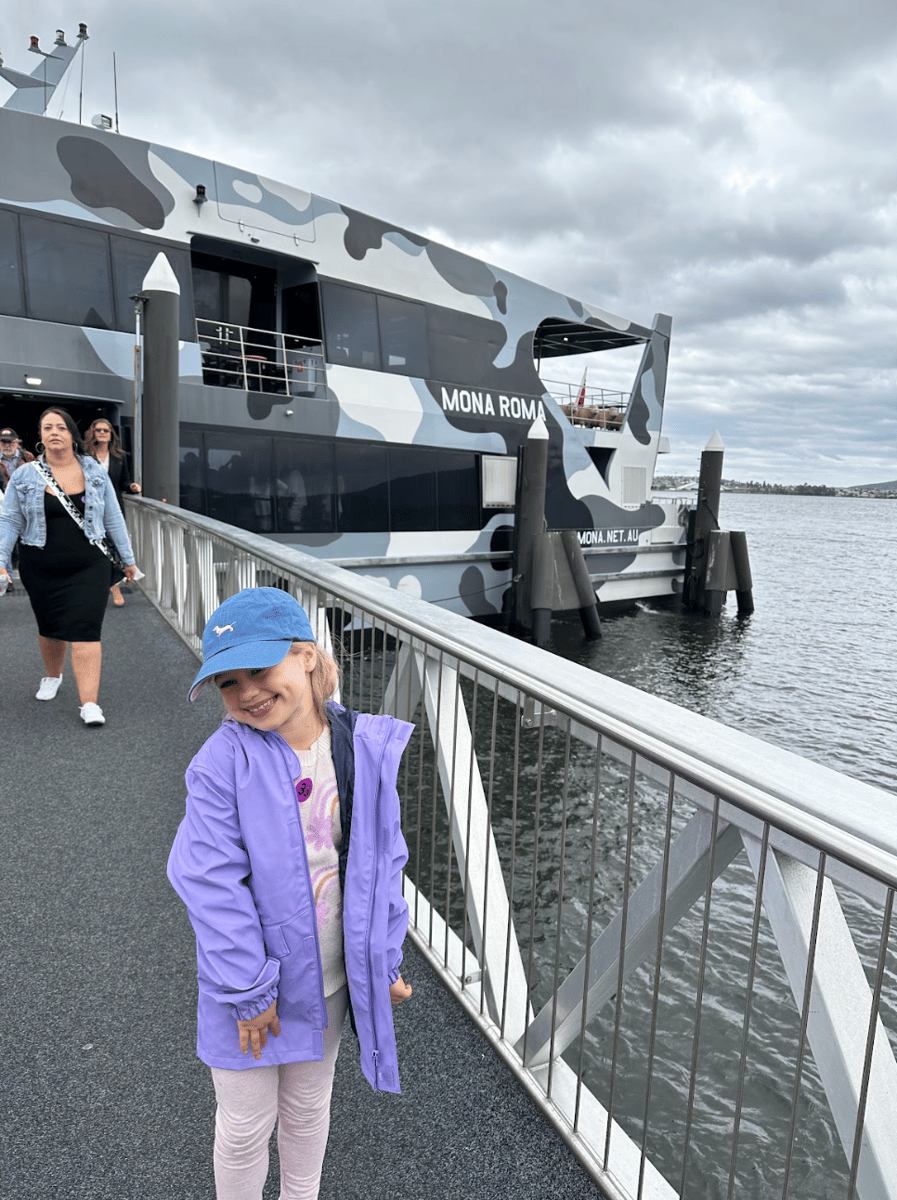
x=119 y=475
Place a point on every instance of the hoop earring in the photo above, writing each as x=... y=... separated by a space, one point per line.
x=39 y=447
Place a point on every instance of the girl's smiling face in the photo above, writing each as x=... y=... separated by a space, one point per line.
x=277 y=698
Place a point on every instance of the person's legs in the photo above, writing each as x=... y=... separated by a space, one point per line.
x=247 y=1110
x=304 y=1110
x=87 y=658
x=53 y=654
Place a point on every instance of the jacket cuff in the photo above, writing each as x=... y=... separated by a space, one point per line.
x=251 y=1001
x=395 y=971
x=251 y=1008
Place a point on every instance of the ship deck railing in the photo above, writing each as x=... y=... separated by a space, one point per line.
x=679 y=938
x=593 y=407
x=260 y=360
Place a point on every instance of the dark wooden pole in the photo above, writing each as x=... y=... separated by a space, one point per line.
x=705 y=521
x=160 y=382
x=529 y=519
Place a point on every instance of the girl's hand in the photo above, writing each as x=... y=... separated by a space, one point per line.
x=135 y=487
x=254 y=1033
x=130 y=572
x=399 y=991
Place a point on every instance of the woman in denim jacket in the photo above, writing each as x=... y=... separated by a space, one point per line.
x=65 y=574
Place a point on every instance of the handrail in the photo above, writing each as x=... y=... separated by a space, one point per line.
x=260 y=360
x=554 y=943
x=771 y=783
x=602 y=408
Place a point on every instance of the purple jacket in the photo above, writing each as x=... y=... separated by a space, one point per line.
x=239 y=864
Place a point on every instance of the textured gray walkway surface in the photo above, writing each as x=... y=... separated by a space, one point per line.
x=101 y=1097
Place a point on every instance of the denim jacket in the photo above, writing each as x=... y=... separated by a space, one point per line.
x=22 y=515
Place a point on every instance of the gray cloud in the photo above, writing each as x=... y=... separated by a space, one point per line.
x=730 y=165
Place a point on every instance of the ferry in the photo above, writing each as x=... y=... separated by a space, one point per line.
x=346 y=386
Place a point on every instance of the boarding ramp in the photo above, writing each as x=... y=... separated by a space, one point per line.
x=677 y=937
x=102 y=1095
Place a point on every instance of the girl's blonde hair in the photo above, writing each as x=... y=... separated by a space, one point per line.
x=324 y=677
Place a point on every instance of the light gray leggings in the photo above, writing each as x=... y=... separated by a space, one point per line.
x=297 y=1096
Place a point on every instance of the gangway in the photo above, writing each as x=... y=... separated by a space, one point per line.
x=625 y=896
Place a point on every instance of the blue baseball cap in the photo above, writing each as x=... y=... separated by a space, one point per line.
x=255 y=628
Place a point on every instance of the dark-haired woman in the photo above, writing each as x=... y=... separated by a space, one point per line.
x=63 y=570
x=103 y=444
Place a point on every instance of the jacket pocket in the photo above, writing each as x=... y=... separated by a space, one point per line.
x=276 y=943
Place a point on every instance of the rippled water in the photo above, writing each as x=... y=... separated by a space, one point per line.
x=811 y=670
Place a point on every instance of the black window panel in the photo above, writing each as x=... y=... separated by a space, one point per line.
x=207 y=302
x=403 y=336
x=239 y=301
x=299 y=311
x=193 y=494
x=463 y=348
x=459 y=490
x=412 y=488
x=10 y=272
x=238 y=474
x=238 y=293
x=131 y=259
x=350 y=326
x=69 y=279
x=362 y=488
x=304 y=486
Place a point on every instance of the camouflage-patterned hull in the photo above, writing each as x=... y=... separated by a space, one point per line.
x=410 y=355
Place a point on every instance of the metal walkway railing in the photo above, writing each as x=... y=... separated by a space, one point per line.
x=677 y=936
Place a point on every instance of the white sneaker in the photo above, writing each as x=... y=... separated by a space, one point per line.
x=92 y=714
x=49 y=686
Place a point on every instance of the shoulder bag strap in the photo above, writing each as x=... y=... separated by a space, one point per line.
x=63 y=499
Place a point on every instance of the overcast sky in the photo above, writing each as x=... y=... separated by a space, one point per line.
x=734 y=166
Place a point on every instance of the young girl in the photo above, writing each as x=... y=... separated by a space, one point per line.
x=289 y=860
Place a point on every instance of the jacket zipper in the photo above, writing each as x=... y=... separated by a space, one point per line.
x=321 y=995
x=367 y=941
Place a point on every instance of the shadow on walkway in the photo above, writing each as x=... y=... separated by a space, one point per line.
x=101 y=1096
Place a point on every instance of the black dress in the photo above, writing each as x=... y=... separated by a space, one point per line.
x=67 y=579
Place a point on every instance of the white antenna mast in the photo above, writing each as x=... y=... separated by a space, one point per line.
x=115 y=85
x=81 y=92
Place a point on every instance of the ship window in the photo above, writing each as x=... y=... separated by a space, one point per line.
x=239 y=300
x=304 y=486
x=412 y=492
x=131 y=259
x=463 y=347
x=10 y=275
x=362 y=488
x=68 y=273
x=207 y=295
x=193 y=496
x=239 y=481
x=403 y=336
x=459 y=491
x=350 y=323
x=236 y=293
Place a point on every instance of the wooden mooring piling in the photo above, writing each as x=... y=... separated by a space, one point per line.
x=716 y=560
x=550 y=573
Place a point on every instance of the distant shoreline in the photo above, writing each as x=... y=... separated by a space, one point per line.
x=882 y=491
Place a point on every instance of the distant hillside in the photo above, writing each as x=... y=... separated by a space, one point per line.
x=878 y=487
